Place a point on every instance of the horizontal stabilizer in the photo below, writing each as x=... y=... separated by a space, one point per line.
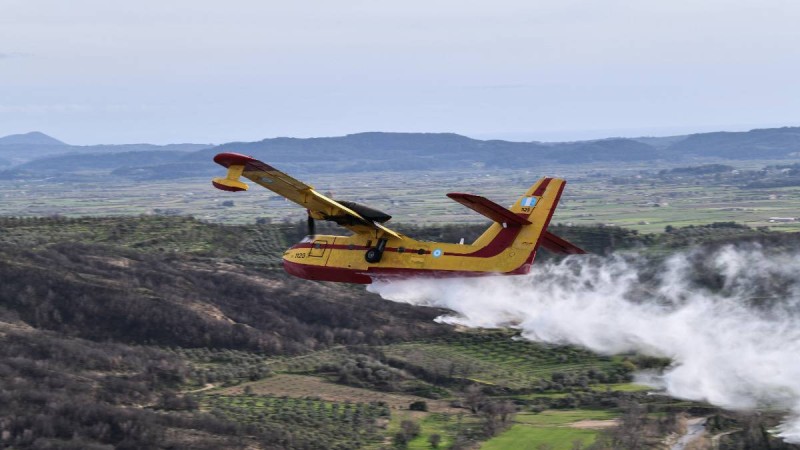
x=489 y=209
x=558 y=245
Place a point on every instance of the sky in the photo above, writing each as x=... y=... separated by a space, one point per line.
x=207 y=71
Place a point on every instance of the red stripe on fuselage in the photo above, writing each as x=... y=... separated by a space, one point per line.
x=358 y=247
x=321 y=273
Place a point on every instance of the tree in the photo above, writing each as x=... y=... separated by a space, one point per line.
x=474 y=398
x=496 y=415
x=408 y=431
x=419 y=405
x=410 y=427
x=629 y=433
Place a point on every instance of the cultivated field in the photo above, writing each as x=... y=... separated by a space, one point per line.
x=593 y=196
x=558 y=429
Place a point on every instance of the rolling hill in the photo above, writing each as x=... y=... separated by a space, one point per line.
x=168 y=332
x=32 y=138
x=22 y=148
x=378 y=152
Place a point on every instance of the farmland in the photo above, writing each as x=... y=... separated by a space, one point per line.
x=301 y=389
x=496 y=359
x=631 y=195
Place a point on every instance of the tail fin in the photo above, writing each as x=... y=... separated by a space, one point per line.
x=544 y=194
x=529 y=216
x=538 y=205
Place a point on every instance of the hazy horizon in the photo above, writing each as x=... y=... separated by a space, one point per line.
x=546 y=136
x=90 y=72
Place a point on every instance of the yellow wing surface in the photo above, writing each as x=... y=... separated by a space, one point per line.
x=318 y=205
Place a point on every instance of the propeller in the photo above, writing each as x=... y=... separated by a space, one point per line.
x=311 y=225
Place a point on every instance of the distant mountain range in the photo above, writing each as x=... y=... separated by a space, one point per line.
x=375 y=151
x=18 y=149
x=32 y=138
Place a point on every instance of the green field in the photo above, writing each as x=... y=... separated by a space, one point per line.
x=525 y=437
x=625 y=387
x=548 y=427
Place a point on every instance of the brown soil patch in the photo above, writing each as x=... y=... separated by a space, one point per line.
x=14 y=326
x=595 y=424
x=116 y=261
x=208 y=310
x=308 y=386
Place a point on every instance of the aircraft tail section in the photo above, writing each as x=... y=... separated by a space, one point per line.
x=538 y=205
x=524 y=225
x=544 y=194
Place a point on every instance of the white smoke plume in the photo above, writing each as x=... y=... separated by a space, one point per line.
x=728 y=320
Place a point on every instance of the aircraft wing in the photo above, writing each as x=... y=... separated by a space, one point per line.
x=320 y=206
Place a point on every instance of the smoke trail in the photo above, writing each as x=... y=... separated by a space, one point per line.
x=729 y=320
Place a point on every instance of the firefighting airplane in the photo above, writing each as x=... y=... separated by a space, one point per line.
x=374 y=251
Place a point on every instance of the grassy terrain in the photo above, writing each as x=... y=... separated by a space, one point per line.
x=529 y=437
x=625 y=387
x=555 y=428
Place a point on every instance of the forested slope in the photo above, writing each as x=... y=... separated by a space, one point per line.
x=111 y=329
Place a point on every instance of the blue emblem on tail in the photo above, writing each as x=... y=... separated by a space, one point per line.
x=529 y=201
